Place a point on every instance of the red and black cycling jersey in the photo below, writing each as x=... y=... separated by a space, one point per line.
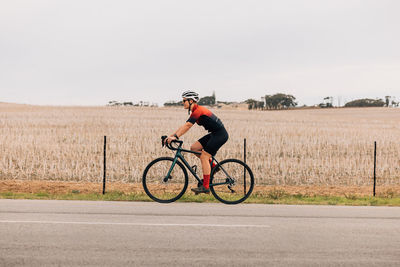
x=204 y=117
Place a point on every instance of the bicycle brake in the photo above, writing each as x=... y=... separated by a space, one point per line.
x=163 y=140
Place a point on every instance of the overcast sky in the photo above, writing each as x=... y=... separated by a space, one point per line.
x=88 y=52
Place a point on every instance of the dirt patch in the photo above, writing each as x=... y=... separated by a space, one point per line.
x=86 y=188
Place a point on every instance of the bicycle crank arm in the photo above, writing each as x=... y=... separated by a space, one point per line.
x=230 y=188
x=216 y=184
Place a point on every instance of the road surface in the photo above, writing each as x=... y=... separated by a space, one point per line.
x=97 y=233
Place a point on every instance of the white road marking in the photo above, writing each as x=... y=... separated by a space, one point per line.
x=144 y=224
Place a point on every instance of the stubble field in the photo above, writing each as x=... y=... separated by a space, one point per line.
x=294 y=147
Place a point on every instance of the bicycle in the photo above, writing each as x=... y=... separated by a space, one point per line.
x=165 y=179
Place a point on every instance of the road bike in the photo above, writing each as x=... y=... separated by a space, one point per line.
x=166 y=179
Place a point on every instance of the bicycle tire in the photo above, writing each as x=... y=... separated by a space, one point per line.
x=151 y=193
x=222 y=192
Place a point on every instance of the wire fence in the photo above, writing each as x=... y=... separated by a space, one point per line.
x=126 y=159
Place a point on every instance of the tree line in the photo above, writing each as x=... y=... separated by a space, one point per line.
x=204 y=101
x=364 y=102
x=286 y=101
x=276 y=101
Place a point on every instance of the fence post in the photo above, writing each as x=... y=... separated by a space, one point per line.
x=244 y=158
x=375 y=168
x=104 y=165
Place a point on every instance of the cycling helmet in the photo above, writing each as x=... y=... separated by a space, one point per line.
x=191 y=95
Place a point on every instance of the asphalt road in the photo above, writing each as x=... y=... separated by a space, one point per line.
x=77 y=233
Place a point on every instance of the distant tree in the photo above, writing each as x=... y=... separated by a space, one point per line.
x=260 y=105
x=254 y=104
x=268 y=102
x=173 y=104
x=225 y=102
x=114 y=103
x=207 y=100
x=250 y=103
x=288 y=101
x=279 y=101
x=366 y=102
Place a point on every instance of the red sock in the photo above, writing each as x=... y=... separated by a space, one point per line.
x=213 y=163
x=206 y=181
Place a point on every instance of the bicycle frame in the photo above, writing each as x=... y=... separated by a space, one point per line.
x=178 y=155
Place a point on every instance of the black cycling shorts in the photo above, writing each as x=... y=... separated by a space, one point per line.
x=213 y=141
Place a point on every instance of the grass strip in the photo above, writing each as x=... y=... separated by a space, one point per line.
x=255 y=198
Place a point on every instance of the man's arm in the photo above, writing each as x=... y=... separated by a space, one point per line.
x=181 y=131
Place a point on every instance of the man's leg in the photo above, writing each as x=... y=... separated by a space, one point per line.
x=205 y=164
x=197 y=147
x=204 y=159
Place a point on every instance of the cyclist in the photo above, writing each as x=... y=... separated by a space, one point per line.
x=209 y=144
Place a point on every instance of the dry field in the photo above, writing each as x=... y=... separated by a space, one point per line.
x=296 y=147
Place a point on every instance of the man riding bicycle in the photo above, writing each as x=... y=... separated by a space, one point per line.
x=209 y=144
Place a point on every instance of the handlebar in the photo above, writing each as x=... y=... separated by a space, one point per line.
x=163 y=138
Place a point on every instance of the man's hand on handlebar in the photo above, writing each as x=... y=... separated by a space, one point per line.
x=167 y=140
x=170 y=139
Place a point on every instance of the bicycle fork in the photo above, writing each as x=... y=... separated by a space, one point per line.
x=168 y=176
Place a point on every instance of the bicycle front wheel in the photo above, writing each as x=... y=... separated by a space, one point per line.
x=231 y=181
x=162 y=187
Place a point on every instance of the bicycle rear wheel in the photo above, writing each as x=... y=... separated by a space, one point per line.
x=161 y=188
x=233 y=182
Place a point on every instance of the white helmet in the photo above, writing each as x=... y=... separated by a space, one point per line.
x=191 y=95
